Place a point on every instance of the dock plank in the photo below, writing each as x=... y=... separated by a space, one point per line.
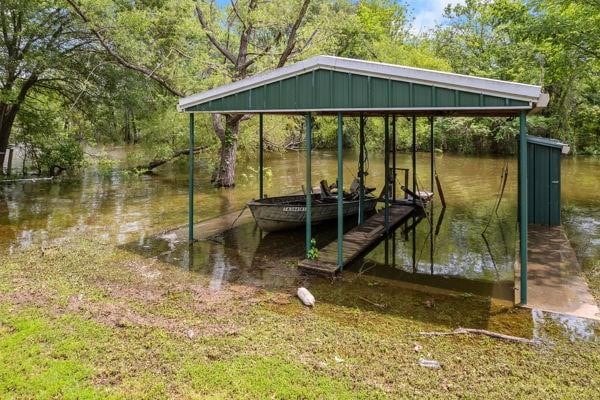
x=357 y=240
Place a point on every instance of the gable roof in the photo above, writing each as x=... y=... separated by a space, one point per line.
x=357 y=85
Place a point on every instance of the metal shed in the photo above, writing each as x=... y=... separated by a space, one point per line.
x=543 y=180
x=326 y=85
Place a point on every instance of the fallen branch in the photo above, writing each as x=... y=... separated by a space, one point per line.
x=378 y=305
x=496 y=335
x=26 y=180
x=161 y=161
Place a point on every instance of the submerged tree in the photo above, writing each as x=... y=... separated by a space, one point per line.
x=248 y=38
x=243 y=39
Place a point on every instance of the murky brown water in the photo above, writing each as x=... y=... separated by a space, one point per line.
x=130 y=212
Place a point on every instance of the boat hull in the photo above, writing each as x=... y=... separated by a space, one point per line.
x=289 y=212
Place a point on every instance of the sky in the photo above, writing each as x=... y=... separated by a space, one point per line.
x=428 y=13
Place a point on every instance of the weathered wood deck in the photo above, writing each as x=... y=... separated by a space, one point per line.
x=357 y=240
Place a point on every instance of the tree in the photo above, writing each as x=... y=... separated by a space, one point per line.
x=549 y=42
x=39 y=45
x=243 y=38
x=247 y=38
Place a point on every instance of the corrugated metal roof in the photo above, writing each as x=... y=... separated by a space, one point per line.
x=545 y=141
x=529 y=96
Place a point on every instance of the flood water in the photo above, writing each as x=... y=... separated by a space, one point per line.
x=445 y=249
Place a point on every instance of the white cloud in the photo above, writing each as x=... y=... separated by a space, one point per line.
x=428 y=13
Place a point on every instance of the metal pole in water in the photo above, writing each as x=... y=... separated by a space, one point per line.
x=523 y=217
x=386 y=146
x=308 y=139
x=432 y=169
x=361 y=171
x=414 y=157
x=386 y=211
x=432 y=159
x=191 y=182
x=340 y=193
x=260 y=157
x=393 y=157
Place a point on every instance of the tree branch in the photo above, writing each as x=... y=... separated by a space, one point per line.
x=262 y=53
x=209 y=34
x=120 y=59
x=291 y=42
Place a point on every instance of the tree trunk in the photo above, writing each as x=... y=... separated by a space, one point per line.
x=7 y=119
x=228 y=135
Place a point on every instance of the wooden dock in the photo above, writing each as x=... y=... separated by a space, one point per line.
x=357 y=240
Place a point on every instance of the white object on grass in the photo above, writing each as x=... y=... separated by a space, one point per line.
x=306 y=297
x=429 y=363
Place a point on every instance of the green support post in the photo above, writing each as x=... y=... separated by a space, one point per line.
x=191 y=182
x=523 y=217
x=260 y=157
x=431 y=182
x=432 y=159
x=386 y=158
x=393 y=178
x=414 y=157
x=361 y=171
x=308 y=222
x=340 y=193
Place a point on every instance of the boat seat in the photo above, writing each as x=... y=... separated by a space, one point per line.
x=325 y=192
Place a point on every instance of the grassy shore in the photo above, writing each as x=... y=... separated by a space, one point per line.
x=80 y=319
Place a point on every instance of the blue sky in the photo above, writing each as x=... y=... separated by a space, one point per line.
x=426 y=13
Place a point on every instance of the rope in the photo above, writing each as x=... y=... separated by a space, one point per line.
x=238 y=217
x=503 y=179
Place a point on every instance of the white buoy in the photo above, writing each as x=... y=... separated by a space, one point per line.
x=306 y=297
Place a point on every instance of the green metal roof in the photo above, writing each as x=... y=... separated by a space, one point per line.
x=545 y=141
x=326 y=84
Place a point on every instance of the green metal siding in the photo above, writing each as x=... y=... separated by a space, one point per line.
x=554 y=186
x=330 y=90
x=543 y=184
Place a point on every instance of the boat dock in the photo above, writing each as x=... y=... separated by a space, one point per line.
x=358 y=240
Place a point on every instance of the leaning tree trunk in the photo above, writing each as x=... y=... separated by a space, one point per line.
x=7 y=119
x=224 y=176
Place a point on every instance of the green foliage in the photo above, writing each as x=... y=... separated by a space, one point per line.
x=50 y=143
x=313 y=252
x=550 y=42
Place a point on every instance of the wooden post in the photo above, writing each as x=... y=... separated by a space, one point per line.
x=11 y=151
x=308 y=139
x=523 y=203
x=191 y=183
x=340 y=193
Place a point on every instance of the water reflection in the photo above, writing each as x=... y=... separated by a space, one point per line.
x=445 y=248
x=574 y=328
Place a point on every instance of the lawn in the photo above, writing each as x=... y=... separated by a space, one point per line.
x=81 y=318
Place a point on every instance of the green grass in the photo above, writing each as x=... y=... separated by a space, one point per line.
x=87 y=320
x=39 y=357
x=266 y=377
x=591 y=271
